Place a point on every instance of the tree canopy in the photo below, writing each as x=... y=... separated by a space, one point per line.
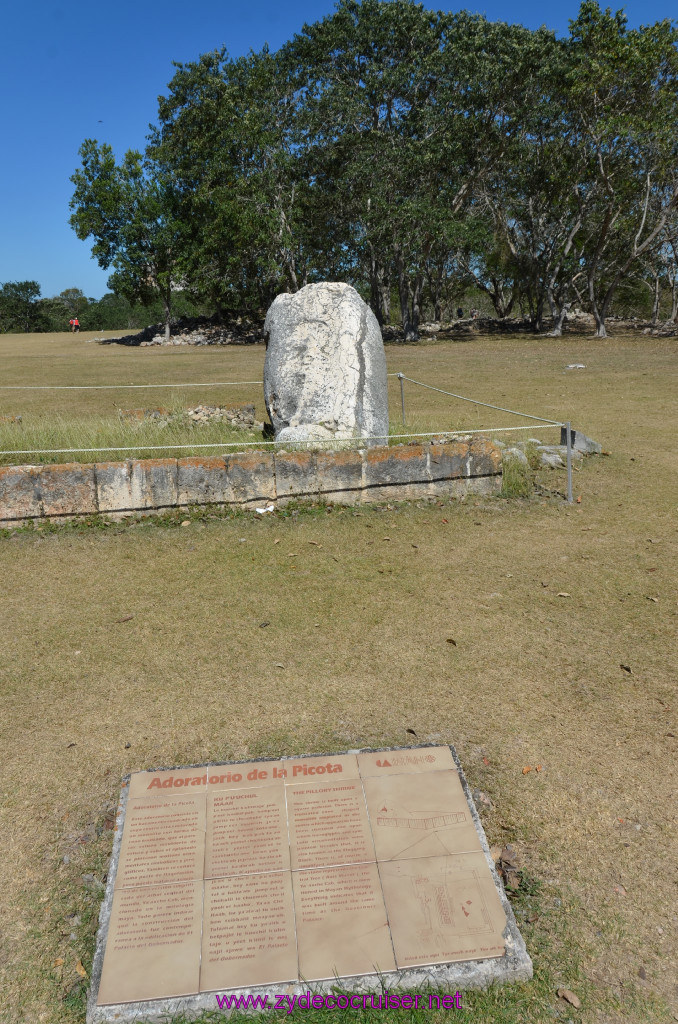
x=413 y=153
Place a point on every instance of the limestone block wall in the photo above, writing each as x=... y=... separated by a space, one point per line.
x=250 y=478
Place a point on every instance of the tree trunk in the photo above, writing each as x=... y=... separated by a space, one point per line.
x=674 y=300
x=385 y=298
x=655 y=300
x=536 y=308
x=380 y=290
x=167 y=307
x=502 y=306
x=559 y=320
x=415 y=309
x=598 y=315
x=435 y=286
x=409 y=294
x=291 y=273
x=558 y=311
x=600 y=320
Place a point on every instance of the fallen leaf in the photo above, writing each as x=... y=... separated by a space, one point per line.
x=451 y=641
x=411 y=732
x=279 y=664
x=315 y=543
x=642 y=973
x=527 y=768
x=495 y=853
x=80 y=969
x=579 y=500
x=654 y=599
x=444 y=520
x=385 y=538
x=538 y=768
x=71 y=745
x=620 y=890
x=277 y=540
x=627 y=668
x=186 y=522
x=569 y=997
x=509 y=856
x=563 y=593
x=262 y=625
x=485 y=761
x=292 y=554
x=59 y=962
x=125 y=618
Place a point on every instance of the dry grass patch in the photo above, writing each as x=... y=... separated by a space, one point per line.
x=361 y=604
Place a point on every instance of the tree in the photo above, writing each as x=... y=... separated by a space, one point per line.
x=225 y=138
x=405 y=111
x=19 y=307
x=131 y=212
x=622 y=93
x=74 y=300
x=409 y=152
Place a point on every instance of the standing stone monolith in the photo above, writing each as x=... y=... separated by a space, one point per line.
x=325 y=366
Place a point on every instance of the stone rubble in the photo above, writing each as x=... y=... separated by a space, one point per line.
x=551 y=456
x=194 y=331
x=242 y=417
x=244 y=330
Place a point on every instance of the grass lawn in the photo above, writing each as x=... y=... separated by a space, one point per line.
x=361 y=604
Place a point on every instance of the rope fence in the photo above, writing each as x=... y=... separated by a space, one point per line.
x=115 y=387
x=567 y=426
x=447 y=434
x=486 y=405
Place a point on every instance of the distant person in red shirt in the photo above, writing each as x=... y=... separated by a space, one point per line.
x=74 y=324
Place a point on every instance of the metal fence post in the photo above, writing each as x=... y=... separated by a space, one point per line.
x=401 y=378
x=568 y=441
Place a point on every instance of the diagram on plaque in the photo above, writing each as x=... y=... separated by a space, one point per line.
x=413 y=819
x=313 y=868
x=442 y=909
x=432 y=822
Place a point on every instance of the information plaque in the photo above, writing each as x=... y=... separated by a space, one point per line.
x=300 y=870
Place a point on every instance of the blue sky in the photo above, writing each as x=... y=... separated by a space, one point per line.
x=72 y=70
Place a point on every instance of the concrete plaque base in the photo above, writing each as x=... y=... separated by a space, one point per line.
x=366 y=871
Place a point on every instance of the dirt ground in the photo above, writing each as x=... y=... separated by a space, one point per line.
x=141 y=645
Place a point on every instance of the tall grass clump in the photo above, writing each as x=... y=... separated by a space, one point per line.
x=38 y=440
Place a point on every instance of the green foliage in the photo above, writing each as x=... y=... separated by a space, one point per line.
x=516 y=478
x=131 y=212
x=20 y=311
x=410 y=152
